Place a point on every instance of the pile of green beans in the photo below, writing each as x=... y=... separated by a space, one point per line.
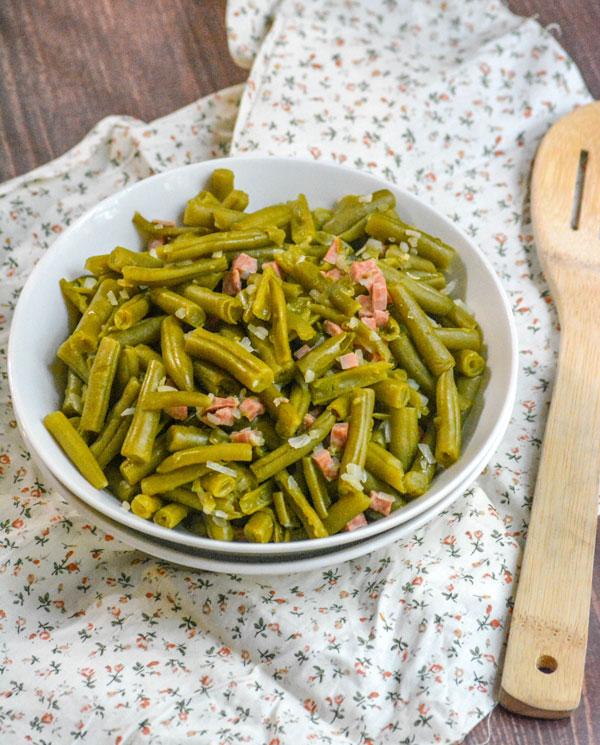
x=236 y=378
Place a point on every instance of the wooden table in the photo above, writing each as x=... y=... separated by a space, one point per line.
x=68 y=63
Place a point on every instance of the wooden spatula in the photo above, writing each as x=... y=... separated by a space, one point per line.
x=545 y=658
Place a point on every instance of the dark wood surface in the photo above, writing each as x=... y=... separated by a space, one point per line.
x=65 y=64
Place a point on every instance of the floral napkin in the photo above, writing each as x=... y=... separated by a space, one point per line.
x=104 y=644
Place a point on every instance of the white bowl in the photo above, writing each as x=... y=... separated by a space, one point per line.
x=40 y=324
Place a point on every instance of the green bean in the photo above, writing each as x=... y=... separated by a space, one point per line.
x=76 y=449
x=71 y=291
x=327 y=388
x=459 y=338
x=285 y=515
x=467 y=391
x=299 y=326
x=310 y=520
x=131 y=312
x=447 y=420
x=433 y=279
x=418 y=479
x=316 y=485
x=321 y=216
x=156 y=229
x=236 y=200
x=286 y=455
x=213 y=379
x=321 y=358
x=116 y=416
x=180 y=437
x=221 y=183
x=407 y=356
x=144 y=505
x=282 y=372
x=469 y=362
x=385 y=466
x=392 y=393
x=390 y=230
x=302 y=226
x=434 y=353
x=174 y=399
x=261 y=307
x=235 y=240
x=369 y=339
x=118 y=484
x=172 y=274
x=404 y=434
x=158 y=483
x=196 y=524
x=279 y=324
x=144 y=425
x=428 y=298
x=177 y=361
x=461 y=317
x=198 y=210
x=257 y=499
x=128 y=367
x=97 y=265
x=113 y=447
x=329 y=313
x=179 y=306
x=170 y=515
x=225 y=451
x=288 y=419
x=146 y=331
x=183 y=495
x=120 y=257
x=72 y=403
x=85 y=338
x=359 y=430
x=232 y=357
x=300 y=397
x=278 y=215
x=345 y=510
x=100 y=383
x=225 y=307
x=219 y=485
x=352 y=210
x=218 y=528
x=135 y=472
x=146 y=354
x=259 y=528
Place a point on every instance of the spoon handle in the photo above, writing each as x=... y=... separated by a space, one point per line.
x=545 y=658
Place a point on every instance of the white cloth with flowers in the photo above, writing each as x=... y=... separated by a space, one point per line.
x=104 y=644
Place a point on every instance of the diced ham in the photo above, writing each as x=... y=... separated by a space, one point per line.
x=251 y=408
x=334 y=273
x=332 y=252
x=357 y=522
x=365 y=301
x=178 y=412
x=246 y=265
x=219 y=402
x=232 y=283
x=332 y=328
x=308 y=420
x=299 y=353
x=275 y=267
x=252 y=436
x=379 y=294
x=329 y=467
x=339 y=435
x=166 y=223
x=381 y=502
x=222 y=417
x=370 y=322
x=365 y=272
x=348 y=360
x=381 y=317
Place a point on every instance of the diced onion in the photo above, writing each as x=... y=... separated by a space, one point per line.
x=214 y=466
x=300 y=441
x=426 y=451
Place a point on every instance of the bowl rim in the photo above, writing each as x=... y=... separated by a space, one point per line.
x=425 y=503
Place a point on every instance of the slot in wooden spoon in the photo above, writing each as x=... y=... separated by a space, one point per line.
x=545 y=658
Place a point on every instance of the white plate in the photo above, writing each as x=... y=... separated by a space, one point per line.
x=40 y=324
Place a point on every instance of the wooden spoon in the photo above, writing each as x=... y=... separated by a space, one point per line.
x=545 y=658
